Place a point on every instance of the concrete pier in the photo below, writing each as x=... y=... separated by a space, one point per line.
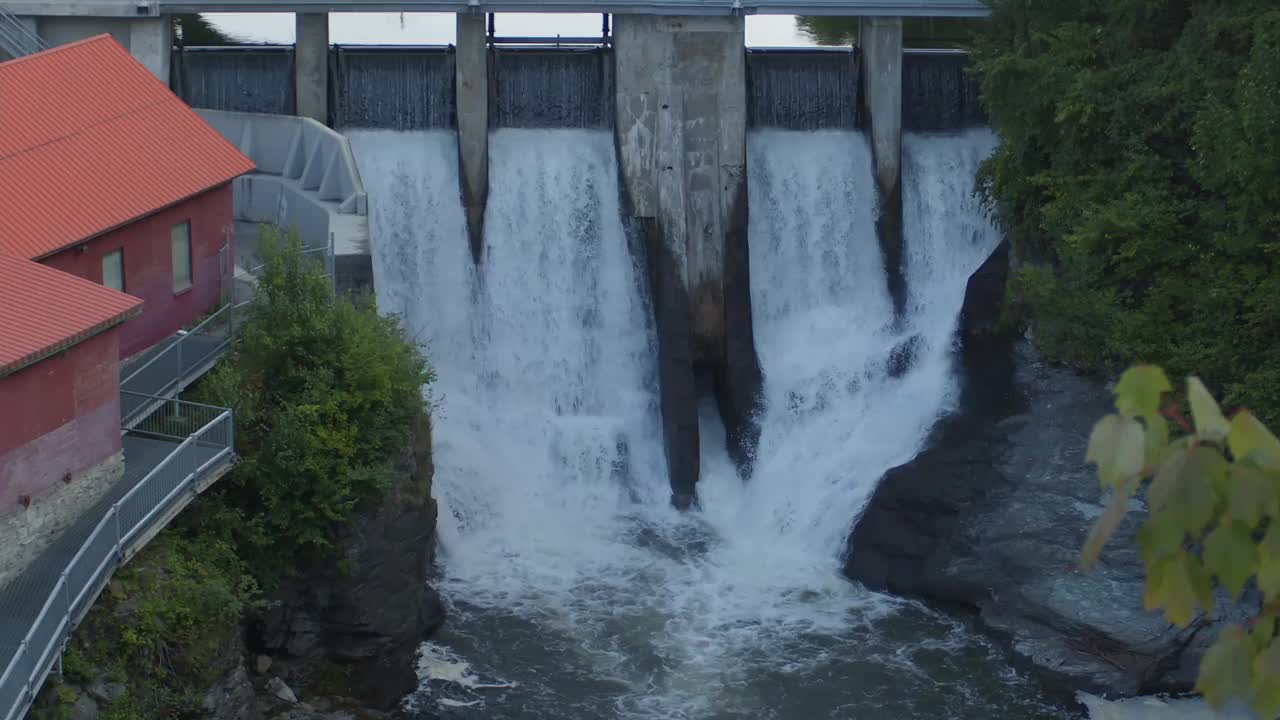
x=881 y=45
x=151 y=43
x=681 y=133
x=311 y=66
x=472 y=103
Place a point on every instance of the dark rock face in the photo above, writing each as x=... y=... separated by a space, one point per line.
x=992 y=516
x=363 y=618
x=984 y=295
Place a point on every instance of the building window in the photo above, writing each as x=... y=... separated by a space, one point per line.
x=113 y=270
x=180 y=238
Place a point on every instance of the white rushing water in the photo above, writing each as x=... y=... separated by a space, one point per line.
x=564 y=563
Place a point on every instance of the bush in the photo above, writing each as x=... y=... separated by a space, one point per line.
x=1138 y=179
x=324 y=391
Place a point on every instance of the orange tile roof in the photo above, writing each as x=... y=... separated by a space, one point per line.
x=89 y=141
x=44 y=311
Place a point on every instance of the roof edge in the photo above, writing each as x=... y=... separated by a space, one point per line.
x=58 y=48
x=30 y=359
x=137 y=218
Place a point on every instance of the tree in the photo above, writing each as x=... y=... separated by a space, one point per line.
x=196 y=30
x=1213 y=515
x=325 y=393
x=1138 y=179
x=916 y=32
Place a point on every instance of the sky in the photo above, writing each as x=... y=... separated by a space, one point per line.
x=438 y=28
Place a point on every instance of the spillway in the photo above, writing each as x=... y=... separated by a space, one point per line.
x=576 y=591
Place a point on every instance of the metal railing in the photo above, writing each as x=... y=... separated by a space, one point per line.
x=169 y=369
x=16 y=38
x=242 y=292
x=83 y=577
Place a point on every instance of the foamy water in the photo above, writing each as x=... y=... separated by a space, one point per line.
x=576 y=591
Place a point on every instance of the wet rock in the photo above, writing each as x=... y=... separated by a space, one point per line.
x=992 y=516
x=84 y=709
x=362 y=618
x=107 y=692
x=232 y=697
x=280 y=690
x=984 y=295
x=262 y=664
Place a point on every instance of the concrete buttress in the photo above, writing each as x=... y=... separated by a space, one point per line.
x=881 y=46
x=681 y=134
x=311 y=66
x=471 y=64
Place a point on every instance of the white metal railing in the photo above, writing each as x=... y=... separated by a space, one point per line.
x=83 y=577
x=167 y=370
x=242 y=292
x=16 y=38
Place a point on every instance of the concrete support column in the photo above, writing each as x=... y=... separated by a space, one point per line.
x=311 y=66
x=471 y=65
x=881 y=45
x=681 y=130
x=151 y=43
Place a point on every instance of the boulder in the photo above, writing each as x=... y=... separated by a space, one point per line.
x=362 y=617
x=231 y=697
x=992 y=516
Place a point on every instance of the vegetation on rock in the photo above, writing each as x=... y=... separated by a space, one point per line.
x=1138 y=178
x=326 y=394
x=1214 y=514
x=324 y=391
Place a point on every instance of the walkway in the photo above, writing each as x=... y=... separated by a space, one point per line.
x=171 y=455
x=170 y=367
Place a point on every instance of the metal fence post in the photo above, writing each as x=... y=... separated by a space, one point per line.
x=115 y=510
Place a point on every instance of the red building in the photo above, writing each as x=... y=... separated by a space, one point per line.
x=106 y=174
x=115 y=232
x=59 y=377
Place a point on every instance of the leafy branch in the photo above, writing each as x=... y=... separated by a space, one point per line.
x=1212 y=498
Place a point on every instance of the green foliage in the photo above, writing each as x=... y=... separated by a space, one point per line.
x=166 y=627
x=1138 y=178
x=324 y=391
x=196 y=30
x=1214 y=514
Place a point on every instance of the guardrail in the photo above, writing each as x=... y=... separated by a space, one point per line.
x=169 y=369
x=242 y=291
x=850 y=8
x=16 y=38
x=107 y=547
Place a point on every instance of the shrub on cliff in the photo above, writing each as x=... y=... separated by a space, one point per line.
x=325 y=390
x=1139 y=178
x=1214 y=514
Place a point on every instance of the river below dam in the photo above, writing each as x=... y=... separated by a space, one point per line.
x=575 y=591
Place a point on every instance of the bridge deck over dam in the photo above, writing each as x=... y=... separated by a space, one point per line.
x=849 y=8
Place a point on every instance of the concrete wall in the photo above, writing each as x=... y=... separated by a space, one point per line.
x=148 y=39
x=307 y=179
x=681 y=132
x=148 y=266
x=471 y=63
x=881 y=44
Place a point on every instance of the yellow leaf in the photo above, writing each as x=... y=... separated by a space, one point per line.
x=1210 y=424
x=1106 y=525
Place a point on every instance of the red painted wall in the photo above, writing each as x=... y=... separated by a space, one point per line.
x=148 y=266
x=62 y=415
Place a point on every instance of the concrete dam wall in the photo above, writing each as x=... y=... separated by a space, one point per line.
x=679 y=95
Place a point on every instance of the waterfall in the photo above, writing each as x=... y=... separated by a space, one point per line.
x=237 y=79
x=553 y=88
x=802 y=91
x=575 y=590
x=938 y=93
x=401 y=89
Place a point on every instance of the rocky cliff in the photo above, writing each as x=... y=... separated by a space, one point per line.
x=992 y=515
x=354 y=627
